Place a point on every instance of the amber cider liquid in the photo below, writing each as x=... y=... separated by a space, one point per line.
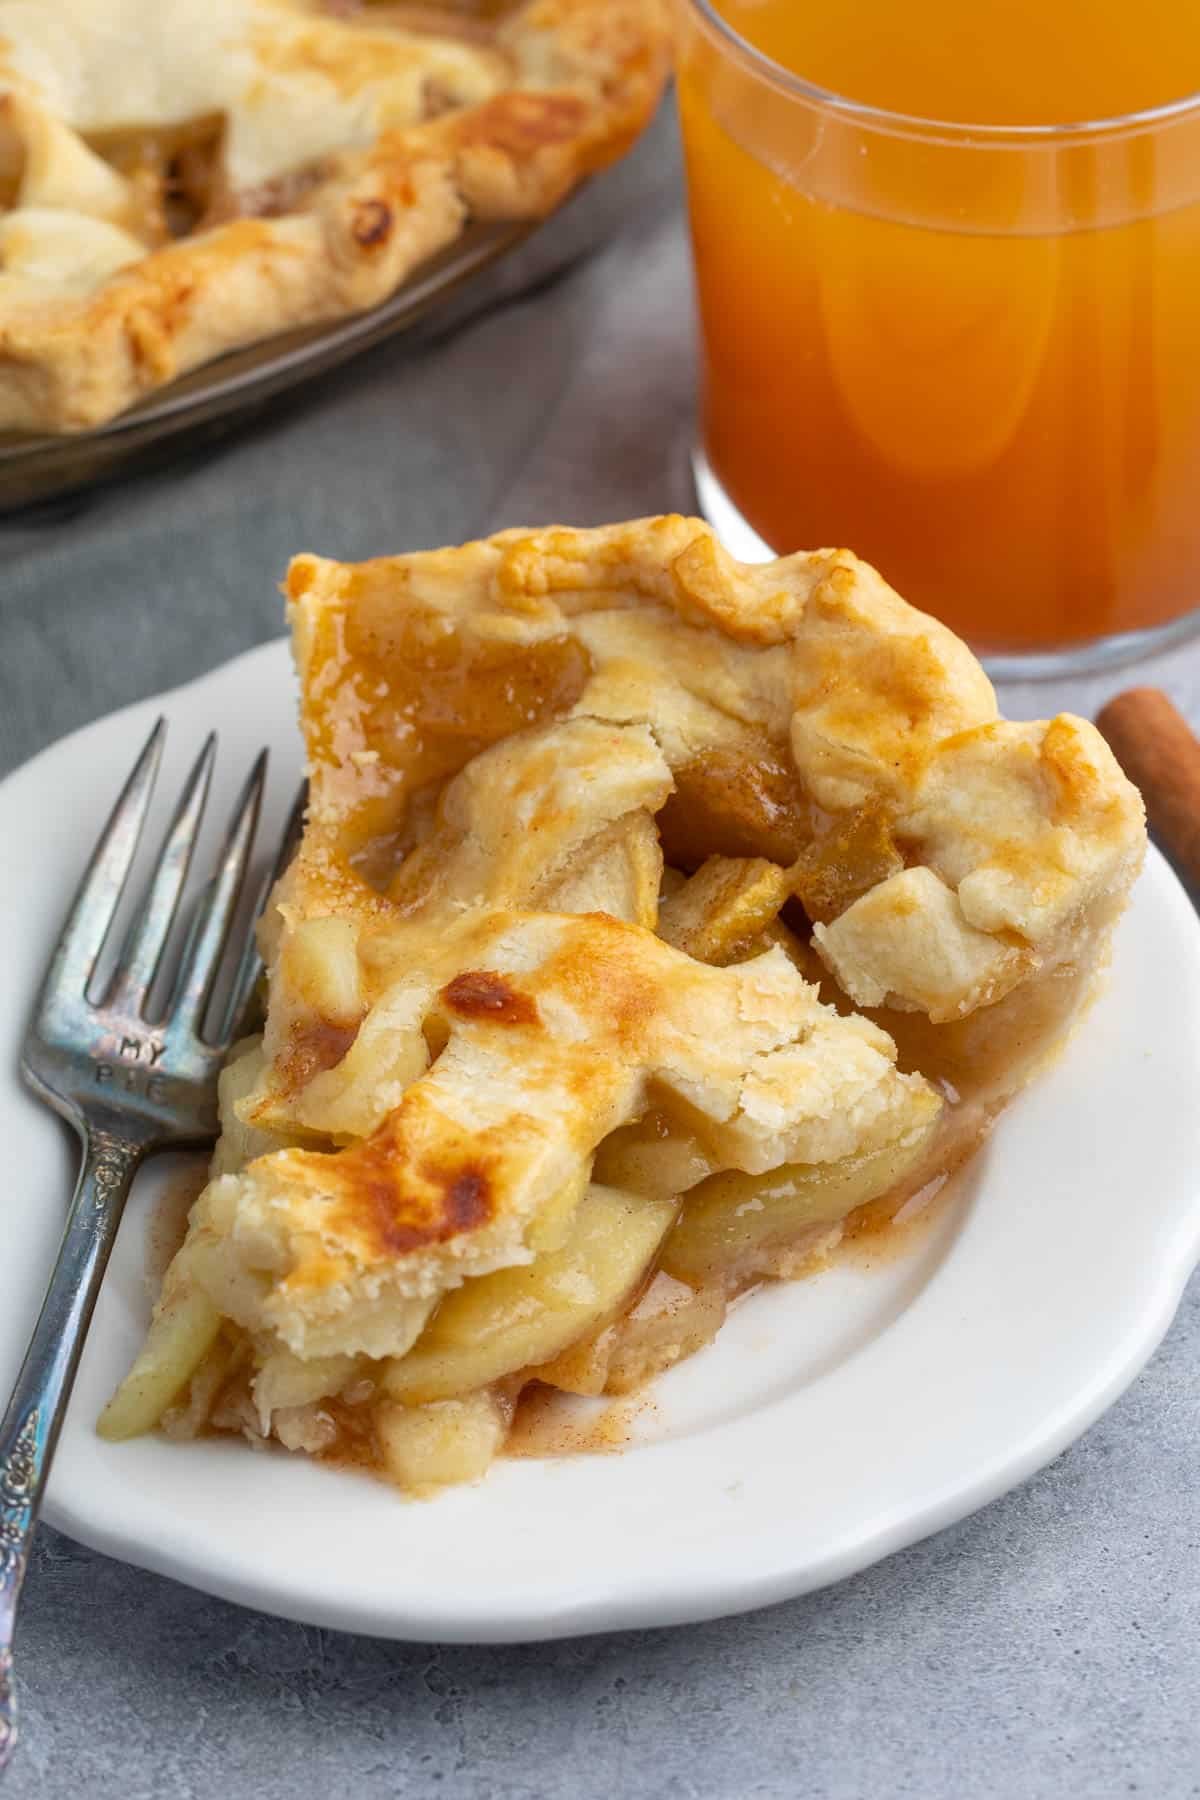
x=979 y=370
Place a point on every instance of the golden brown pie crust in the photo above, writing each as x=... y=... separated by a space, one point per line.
x=503 y=1007
x=586 y=77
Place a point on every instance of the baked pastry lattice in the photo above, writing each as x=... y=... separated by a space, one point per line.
x=656 y=919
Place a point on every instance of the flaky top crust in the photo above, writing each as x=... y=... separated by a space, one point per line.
x=805 y=685
x=467 y=992
x=335 y=201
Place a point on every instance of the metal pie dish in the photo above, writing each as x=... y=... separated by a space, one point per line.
x=217 y=397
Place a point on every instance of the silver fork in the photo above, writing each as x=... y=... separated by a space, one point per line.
x=131 y=1084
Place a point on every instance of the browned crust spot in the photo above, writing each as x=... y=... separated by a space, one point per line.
x=482 y=994
x=313 y=1046
x=467 y=1204
x=371 y=225
x=398 y=1213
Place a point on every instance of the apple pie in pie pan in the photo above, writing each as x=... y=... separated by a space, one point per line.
x=182 y=179
x=656 y=920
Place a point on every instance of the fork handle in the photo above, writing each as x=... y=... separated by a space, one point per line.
x=30 y=1427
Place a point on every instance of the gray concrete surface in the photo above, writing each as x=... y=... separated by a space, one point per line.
x=1046 y=1647
x=1043 y=1649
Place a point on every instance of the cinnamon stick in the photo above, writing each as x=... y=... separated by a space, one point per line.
x=1160 y=753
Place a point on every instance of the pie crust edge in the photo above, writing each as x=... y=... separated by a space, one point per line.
x=375 y=217
x=1035 y=833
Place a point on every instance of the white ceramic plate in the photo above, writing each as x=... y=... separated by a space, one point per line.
x=834 y=1420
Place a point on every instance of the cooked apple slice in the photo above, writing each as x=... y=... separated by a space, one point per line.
x=652 y=1157
x=856 y=853
x=182 y=1332
x=732 y=1222
x=582 y=1368
x=496 y=1324
x=724 y=906
x=424 y=1448
x=240 y=1143
x=671 y=1321
x=552 y=1226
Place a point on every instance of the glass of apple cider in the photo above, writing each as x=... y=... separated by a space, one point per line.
x=948 y=270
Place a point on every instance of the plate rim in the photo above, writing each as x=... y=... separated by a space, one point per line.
x=729 y=1587
x=594 y=1617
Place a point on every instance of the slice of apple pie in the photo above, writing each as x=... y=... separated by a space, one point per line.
x=655 y=917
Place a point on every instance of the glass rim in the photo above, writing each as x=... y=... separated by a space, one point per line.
x=915 y=125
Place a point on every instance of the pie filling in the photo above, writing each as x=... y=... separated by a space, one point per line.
x=214 y=118
x=656 y=921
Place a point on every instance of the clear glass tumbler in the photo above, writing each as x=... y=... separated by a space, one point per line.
x=971 y=354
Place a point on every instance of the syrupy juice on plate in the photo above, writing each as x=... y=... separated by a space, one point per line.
x=971 y=356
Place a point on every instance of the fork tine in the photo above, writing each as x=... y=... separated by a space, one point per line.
x=138 y=962
x=103 y=883
x=206 y=940
x=250 y=963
